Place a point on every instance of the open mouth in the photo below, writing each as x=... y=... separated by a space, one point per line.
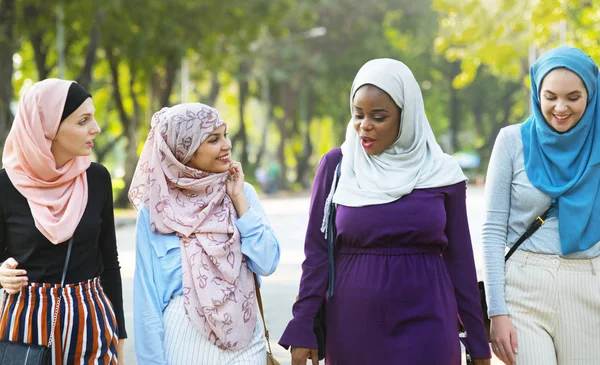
x=367 y=142
x=561 y=118
x=224 y=158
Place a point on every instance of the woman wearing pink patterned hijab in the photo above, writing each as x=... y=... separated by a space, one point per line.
x=201 y=234
x=55 y=201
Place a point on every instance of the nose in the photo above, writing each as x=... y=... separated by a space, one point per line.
x=561 y=106
x=366 y=124
x=95 y=128
x=227 y=145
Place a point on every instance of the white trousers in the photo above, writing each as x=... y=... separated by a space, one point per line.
x=554 y=304
x=184 y=345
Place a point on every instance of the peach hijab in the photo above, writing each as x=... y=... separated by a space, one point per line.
x=57 y=197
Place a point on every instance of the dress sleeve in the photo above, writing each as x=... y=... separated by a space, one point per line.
x=147 y=308
x=495 y=229
x=459 y=259
x=111 y=276
x=259 y=243
x=315 y=268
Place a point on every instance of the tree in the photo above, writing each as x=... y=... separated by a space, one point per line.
x=8 y=44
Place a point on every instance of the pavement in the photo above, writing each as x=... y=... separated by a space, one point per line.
x=288 y=215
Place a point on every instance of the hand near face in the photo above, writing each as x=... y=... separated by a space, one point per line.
x=235 y=188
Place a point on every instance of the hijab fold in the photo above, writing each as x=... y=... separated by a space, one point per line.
x=57 y=197
x=413 y=161
x=565 y=166
x=218 y=286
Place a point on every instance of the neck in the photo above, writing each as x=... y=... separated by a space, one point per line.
x=60 y=159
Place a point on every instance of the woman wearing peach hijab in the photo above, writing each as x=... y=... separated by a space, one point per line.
x=56 y=204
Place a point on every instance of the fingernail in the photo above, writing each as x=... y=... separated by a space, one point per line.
x=516 y=350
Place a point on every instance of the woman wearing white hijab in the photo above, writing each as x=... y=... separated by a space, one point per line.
x=404 y=267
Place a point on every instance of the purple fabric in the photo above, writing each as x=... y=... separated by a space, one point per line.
x=404 y=273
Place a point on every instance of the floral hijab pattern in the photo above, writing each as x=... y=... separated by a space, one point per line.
x=218 y=287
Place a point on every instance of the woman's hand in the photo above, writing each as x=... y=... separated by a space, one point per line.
x=300 y=355
x=120 y=353
x=235 y=188
x=11 y=278
x=504 y=339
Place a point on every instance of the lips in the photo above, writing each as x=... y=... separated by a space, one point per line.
x=561 y=118
x=90 y=144
x=224 y=158
x=367 y=142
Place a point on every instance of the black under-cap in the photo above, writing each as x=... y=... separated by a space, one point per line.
x=75 y=98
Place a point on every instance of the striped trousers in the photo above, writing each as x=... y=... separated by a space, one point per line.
x=86 y=327
x=554 y=304
x=184 y=345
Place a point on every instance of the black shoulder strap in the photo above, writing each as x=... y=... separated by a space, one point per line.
x=332 y=231
x=537 y=223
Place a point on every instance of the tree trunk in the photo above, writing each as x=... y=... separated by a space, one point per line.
x=288 y=98
x=8 y=46
x=454 y=110
x=215 y=88
x=302 y=165
x=241 y=137
x=130 y=125
x=172 y=65
x=131 y=132
x=85 y=76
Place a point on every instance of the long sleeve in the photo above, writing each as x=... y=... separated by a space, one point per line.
x=111 y=276
x=459 y=259
x=495 y=229
x=147 y=307
x=259 y=243
x=315 y=268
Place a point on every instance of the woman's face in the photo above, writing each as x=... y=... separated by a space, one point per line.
x=376 y=119
x=563 y=99
x=214 y=154
x=75 y=135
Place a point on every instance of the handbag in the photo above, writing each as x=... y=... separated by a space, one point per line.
x=271 y=360
x=17 y=353
x=534 y=226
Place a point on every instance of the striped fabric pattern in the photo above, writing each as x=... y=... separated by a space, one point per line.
x=184 y=345
x=554 y=304
x=86 y=327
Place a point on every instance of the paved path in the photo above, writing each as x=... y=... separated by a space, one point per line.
x=288 y=217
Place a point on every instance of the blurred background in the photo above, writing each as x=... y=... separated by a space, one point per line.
x=280 y=72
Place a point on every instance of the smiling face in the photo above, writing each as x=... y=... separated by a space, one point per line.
x=214 y=154
x=563 y=99
x=75 y=135
x=376 y=119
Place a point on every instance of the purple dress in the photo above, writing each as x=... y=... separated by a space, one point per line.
x=404 y=273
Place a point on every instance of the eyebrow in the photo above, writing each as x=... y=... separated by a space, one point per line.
x=374 y=110
x=571 y=93
x=87 y=114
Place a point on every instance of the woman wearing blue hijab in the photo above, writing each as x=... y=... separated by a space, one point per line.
x=544 y=303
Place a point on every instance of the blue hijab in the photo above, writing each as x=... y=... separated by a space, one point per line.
x=565 y=166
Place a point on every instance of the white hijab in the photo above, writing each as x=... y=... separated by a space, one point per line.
x=413 y=161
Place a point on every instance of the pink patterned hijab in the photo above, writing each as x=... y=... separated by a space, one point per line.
x=57 y=197
x=218 y=287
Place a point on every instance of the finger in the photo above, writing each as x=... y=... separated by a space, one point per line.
x=14 y=280
x=12 y=272
x=513 y=341
x=497 y=348
x=10 y=263
x=507 y=353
